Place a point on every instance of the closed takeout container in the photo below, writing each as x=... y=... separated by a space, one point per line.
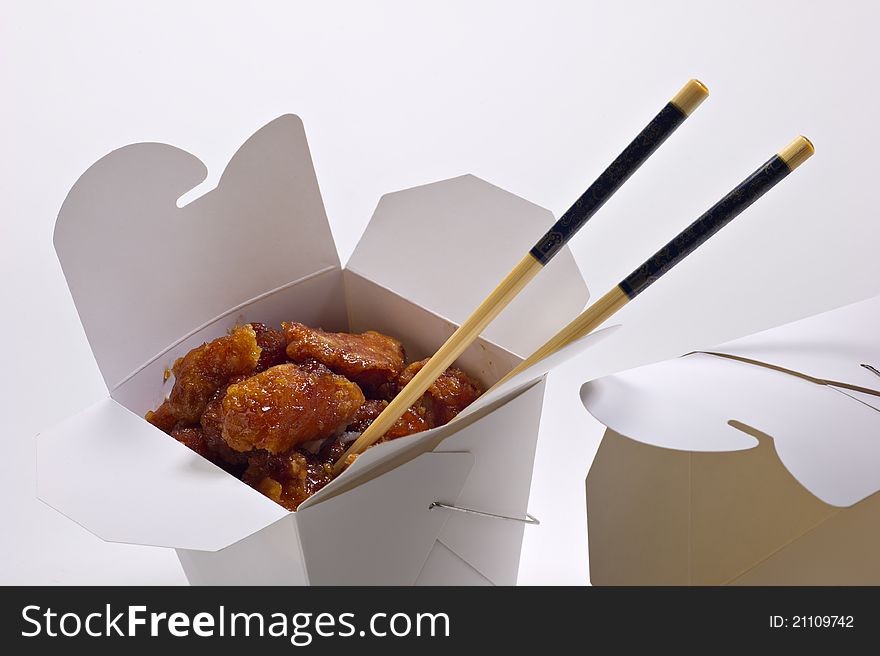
x=756 y=462
x=152 y=280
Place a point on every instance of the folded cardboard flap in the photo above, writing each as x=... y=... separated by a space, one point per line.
x=826 y=438
x=687 y=404
x=345 y=539
x=652 y=403
x=132 y=483
x=144 y=273
x=711 y=518
x=832 y=345
x=503 y=444
x=468 y=236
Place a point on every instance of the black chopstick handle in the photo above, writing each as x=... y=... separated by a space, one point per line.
x=718 y=216
x=619 y=171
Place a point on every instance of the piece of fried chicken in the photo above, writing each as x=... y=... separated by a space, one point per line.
x=210 y=447
x=273 y=346
x=370 y=359
x=414 y=420
x=201 y=372
x=451 y=393
x=288 y=478
x=287 y=405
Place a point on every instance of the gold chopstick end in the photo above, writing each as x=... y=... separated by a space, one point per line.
x=690 y=97
x=797 y=152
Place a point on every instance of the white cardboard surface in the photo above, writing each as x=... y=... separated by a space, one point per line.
x=503 y=444
x=144 y=273
x=443 y=567
x=832 y=346
x=468 y=236
x=382 y=532
x=269 y=557
x=826 y=439
x=91 y=468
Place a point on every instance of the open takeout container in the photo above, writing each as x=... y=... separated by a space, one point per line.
x=152 y=280
x=756 y=462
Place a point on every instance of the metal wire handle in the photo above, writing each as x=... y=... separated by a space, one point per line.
x=528 y=519
x=873 y=370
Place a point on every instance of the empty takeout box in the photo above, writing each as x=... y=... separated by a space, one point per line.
x=152 y=280
x=756 y=462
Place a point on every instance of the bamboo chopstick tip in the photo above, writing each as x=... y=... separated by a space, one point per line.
x=797 y=152
x=690 y=97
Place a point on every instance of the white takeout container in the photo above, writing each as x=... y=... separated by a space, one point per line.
x=151 y=281
x=715 y=470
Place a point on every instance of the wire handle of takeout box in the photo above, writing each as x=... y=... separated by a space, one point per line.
x=528 y=519
x=872 y=369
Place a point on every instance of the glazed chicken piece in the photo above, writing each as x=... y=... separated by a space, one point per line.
x=191 y=436
x=285 y=406
x=273 y=346
x=205 y=439
x=212 y=428
x=365 y=415
x=220 y=454
x=451 y=393
x=289 y=478
x=414 y=420
x=332 y=450
x=204 y=370
x=162 y=417
x=370 y=359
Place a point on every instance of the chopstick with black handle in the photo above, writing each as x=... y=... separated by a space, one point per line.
x=718 y=216
x=634 y=155
x=611 y=179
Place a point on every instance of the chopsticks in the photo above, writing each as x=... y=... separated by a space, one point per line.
x=609 y=181
x=715 y=218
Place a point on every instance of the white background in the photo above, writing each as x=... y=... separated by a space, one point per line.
x=534 y=97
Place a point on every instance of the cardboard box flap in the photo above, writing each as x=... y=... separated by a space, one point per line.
x=503 y=444
x=831 y=346
x=355 y=527
x=468 y=236
x=172 y=498
x=144 y=273
x=826 y=439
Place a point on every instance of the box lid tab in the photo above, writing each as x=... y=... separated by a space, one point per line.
x=145 y=273
x=446 y=245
